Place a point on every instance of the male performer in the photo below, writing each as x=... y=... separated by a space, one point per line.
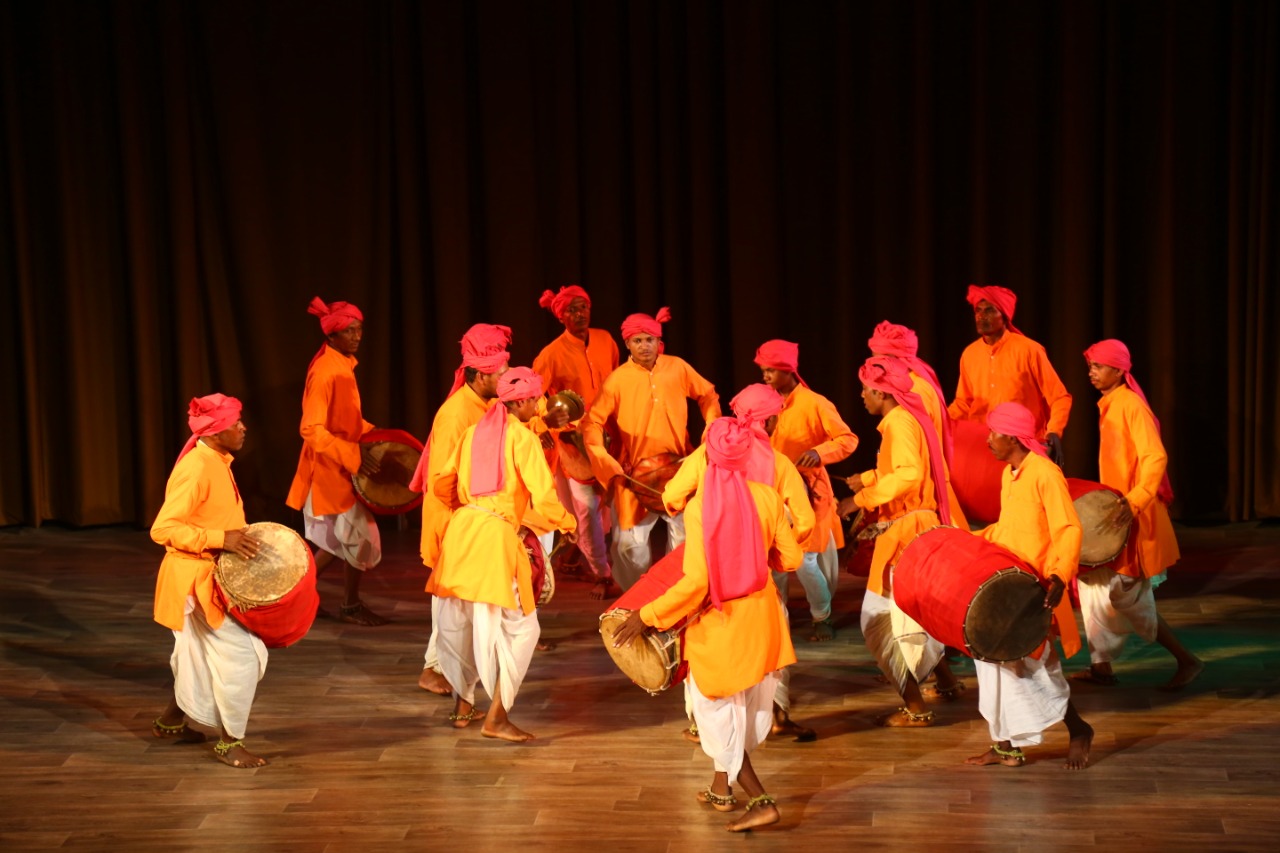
x=1037 y=523
x=488 y=627
x=579 y=360
x=216 y=663
x=341 y=527
x=737 y=530
x=475 y=388
x=1004 y=365
x=1117 y=598
x=811 y=433
x=907 y=488
x=644 y=400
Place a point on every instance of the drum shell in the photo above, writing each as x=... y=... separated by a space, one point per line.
x=1092 y=507
x=660 y=577
x=975 y=472
x=285 y=620
x=388 y=492
x=654 y=472
x=972 y=595
x=542 y=576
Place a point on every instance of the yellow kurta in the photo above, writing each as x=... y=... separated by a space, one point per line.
x=1132 y=459
x=461 y=411
x=1013 y=369
x=900 y=488
x=732 y=649
x=331 y=428
x=201 y=502
x=481 y=553
x=1038 y=523
x=809 y=421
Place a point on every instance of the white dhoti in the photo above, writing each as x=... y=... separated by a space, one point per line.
x=1020 y=699
x=900 y=646
x=351 y=536
x=483 y=642
x=818 y=574
x=1114 y=605
x=734 y=726
x=583 y=500
x=216 y=671
x=631 y=556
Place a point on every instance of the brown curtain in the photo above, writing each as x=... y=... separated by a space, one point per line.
x=177 y=180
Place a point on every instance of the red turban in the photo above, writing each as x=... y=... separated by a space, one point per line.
x=335 y=316
x=890 y=375
x=484 y=347
x=209 y=416
x=488 y=457
x=901 y=342
x=754 y=405
x=780 y=355
x=1002 y=298
x=643 y=324
x=1115 y=354
x=558 y=303
x=736 y=562
x=1015 y=420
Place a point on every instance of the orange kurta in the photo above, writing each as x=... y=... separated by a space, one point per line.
x=809 y=421
x=481 y=554
x=568 y=364
x=732 y=649
x=649 y=412
x=1013 y=369
x=934 y=408
x=201 y=502
x=331 y=428
x=1038 y=523
x=1132 y=459
x=461 y=411
x=900 y=488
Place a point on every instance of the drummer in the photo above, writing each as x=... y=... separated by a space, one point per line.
x=342 y=528
x=811 y=433
x=1038 y=523
x=485 y=612
x=644 y=401
x=737 y=529
x=1119 y=597
x=578 y=361
x=907 y=490
x=1004 y=365
x=216 y=663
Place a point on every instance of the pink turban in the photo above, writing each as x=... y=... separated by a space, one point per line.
x=488 y=459
x=754 y=405
x=335 y=316
x=890 y=375
x=558 y=303
x=1115 y=354
x=901 y=342
x=1015 y=420
x=780 y=355
x=736 y=562
x=484 y=347
x=209 y=416
x=1002 y=298
x=643 y=324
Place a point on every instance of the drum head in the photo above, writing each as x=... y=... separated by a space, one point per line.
x=1007 y=619
x=644 y=661
x=268 y=577
x=1101 y=542
x=387 y=492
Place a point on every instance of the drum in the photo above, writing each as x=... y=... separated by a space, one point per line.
x=655 y=661
x=975 y=472
x=1095 y=504
x=274 y=594
x=573 y=457
x=387 y=492
x=651 y=476
x=544 y=579
x=860 y=543
x=971 y=595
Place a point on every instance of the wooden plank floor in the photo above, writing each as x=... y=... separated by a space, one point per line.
x=362 y=760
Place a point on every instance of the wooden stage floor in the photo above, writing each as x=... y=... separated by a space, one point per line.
x=362 y=760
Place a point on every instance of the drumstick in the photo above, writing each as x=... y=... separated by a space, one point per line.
x=645 y=486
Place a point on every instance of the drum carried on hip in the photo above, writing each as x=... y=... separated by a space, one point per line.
x=544 y=579
x=972 y=595
x=655 y=660
x=387 y=492
x=274 y=594
x=975 y=472
x=1096 y=505
x=649 y=476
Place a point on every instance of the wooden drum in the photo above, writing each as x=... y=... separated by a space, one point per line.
x=274 y=594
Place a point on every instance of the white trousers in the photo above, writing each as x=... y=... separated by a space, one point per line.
x=1113 y=606
x=351 y=536
x=481 y=642
x=216 y=671
x=583 y=500
x=899 y=644
x=631 y=557
x=734 y=726
x=1020 y=699
x=818 y=574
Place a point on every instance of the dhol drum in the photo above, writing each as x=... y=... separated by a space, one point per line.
x=975 y=472
x=544 y=579
x=971 y=595
x=860 y=542
x=655 y=661
x=1096 y=505
x=274 y=594
x=387 y=492
x=650 y=476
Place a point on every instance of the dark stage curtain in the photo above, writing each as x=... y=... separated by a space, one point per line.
x=178 y=179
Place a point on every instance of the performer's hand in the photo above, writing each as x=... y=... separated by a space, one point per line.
x=848 y=507
x=556 y=417
x=571 y=537
x=1054 y=442
x=1054 y=595
x=629 y=630
x=809 y=459
x=1123 y=516
x=854 y=482
x=368 y=464
x=241 y=543
x=547 y=441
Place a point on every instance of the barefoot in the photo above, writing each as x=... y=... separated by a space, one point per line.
x=992 y=757
x=761 y=814
x=1093 y=675
x=604 y=588
x=1078 y=751
x=1187 y=673
x=434 y=682
x=823 y=631
x=720 y=802
x=691 y=734
x=943 y=694
x=904 y=719
x=176 y=728
x=784 y=726
x=235 y=755
x=359 y=614
x=545 y=646
x=505 y=731
x=460 y=719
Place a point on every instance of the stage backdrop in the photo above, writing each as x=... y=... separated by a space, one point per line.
x=178 y=179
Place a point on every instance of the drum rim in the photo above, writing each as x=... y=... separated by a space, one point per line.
x=968 y=643
x=393 y=436
x=239 y=602
x=674 y=639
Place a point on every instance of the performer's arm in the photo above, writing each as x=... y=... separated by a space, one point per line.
x=316 y=400
x=186 y=491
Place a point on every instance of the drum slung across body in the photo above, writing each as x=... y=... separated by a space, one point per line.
x=387 y=492
x=1096 y=505
x=649 y=661
x=280 y=564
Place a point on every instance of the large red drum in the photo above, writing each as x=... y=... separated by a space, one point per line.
x=1101 y=541
x=656 y=661
x=975 y=472
x=972 y=595
x=274 y=594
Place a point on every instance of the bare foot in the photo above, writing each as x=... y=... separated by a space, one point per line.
x=760 y=815
x=176 y=728
x=943 y=694
x=505 y=730
x=235 y=755
x=604 y=588
x=434 y=682
x=545 y=646
x=359 y=614
x=1094 y=675
x=784 y=726
x=904 y=719
x=463 y=714
x=721 y=802
x=991 y=757
x=1078 y=751
x=823 y=631
x=691 y=734
x=1187 y=673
